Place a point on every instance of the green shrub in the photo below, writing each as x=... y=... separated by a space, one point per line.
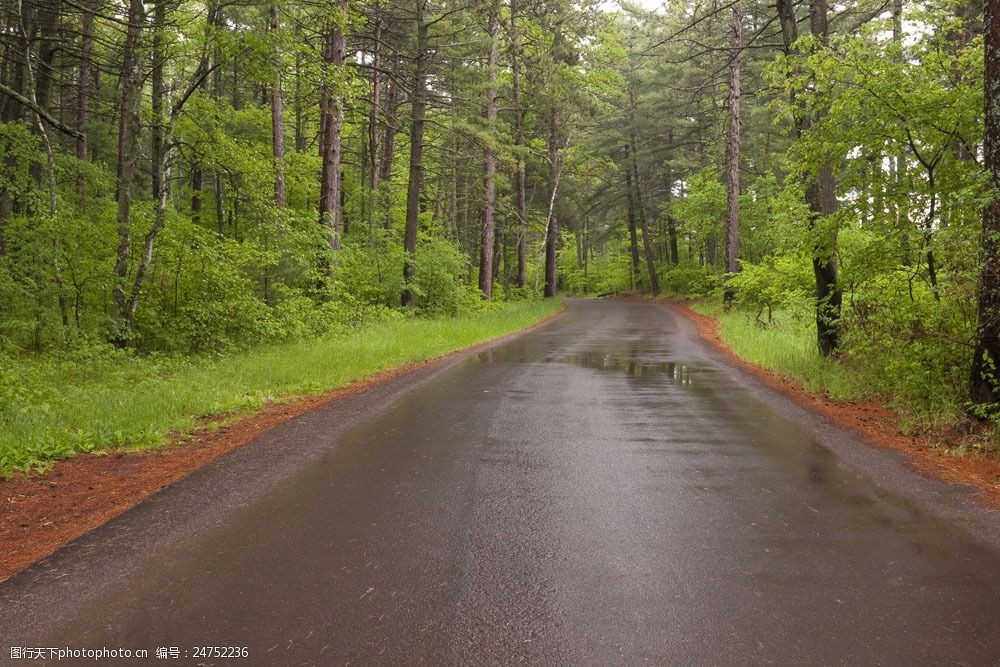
x=688 y=281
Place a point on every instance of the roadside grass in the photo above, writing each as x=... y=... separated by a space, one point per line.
x=788 y=346
x=54 y=407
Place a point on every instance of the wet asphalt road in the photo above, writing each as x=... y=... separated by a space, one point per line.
x=596 y=492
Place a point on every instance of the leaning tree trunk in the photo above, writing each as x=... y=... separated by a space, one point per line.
x=489 y=167
x=733 y=153
x=984 y=383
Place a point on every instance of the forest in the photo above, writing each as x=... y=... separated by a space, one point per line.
x=184 y=178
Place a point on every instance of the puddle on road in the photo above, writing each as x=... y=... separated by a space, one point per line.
x=679 y=373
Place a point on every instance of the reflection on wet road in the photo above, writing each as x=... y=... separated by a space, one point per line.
x=599 y=491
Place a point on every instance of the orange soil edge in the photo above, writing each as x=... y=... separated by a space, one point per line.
x=879 y=426
x=41 y=513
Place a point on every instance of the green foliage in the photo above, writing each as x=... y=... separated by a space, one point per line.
x=910 y=347
x=21 y=151
x=777 y=282
x=603 y=90
x=689 y=281
x=702 y=211
x=439 y=287
x=96 y=397
x=600 y=273
x=787 y=345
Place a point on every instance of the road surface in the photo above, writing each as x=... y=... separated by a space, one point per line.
x=599 y=491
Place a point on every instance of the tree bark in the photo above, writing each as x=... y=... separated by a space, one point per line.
x=128 y=151
x=388 y=147
x=789 y=24
x=373 y=119
x=300 y=135
x=671 y=222
x=822 y=199
x=332 y=110
x=487 y=237
x=984 y=384
x=277 y=112
x=821 y=195
x=733 y=153
x=520 y=175
x=647 y=243
x=158 y=94
x=49 y=43
x=418 y=111
x=197 y=171
x=633 y=241
x=552 y=225
x=83 y=97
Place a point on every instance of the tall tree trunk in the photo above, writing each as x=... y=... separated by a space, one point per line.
x=197 y=170
x=486 y=246
x=24 y=33
x=898 y=165
x=32 y=82
x=552 y=224
x=300 y=134
x=332 y=109
x=821 y=196
x=733 y=153
x=128 y=151
x=49 y=44
x=388 y=145
x=671 y=222
x=520 y=175
x=83 y=97
x=373 y=116
x=633 y=239
x=789 y=24
x=984 y=385
x=647 y=243
x=418 y=110
x=277 y=111
x=822 y=199
x=163 y=126
x=672 y=235
x=158 y=94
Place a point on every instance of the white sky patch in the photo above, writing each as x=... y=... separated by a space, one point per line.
x=648 y=5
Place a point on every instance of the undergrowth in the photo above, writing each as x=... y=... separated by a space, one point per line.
x=90 y=400
x=786 y=343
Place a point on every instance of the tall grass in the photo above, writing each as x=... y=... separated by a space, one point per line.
x=786 y=345
x=51 y=408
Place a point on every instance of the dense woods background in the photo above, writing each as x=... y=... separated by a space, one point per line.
x=190 y=176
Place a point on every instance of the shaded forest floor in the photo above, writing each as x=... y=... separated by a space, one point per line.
x=42 y=512
x=880 y=426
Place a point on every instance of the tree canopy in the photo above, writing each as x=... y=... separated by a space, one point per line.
x=193 y=175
